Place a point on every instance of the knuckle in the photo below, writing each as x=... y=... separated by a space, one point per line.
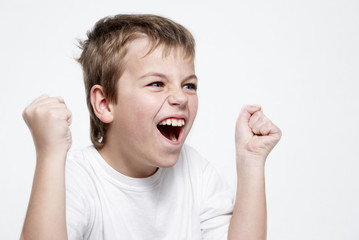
x=255 y=117
x=25 y=113
x=260 y=115
x=280 y=132
x=244 y=108
x=37 y=111
x=53 y=113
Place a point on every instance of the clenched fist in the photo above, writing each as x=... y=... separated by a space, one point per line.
x=49 y=120
x=255 y=137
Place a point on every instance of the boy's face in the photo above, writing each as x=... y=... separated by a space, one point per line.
x=155 y=93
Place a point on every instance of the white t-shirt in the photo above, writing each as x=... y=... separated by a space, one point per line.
x=186 y=201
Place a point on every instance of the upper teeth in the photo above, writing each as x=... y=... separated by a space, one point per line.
x=173 y=122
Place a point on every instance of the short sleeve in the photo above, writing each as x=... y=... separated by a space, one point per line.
x=77 y=210
x=216 y=205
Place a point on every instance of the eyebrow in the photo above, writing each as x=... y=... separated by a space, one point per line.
x=155 y=74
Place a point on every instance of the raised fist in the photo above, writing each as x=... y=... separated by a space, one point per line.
x=256 y=136
x=48 y=120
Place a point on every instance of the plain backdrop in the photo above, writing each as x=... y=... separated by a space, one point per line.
x=298 y=59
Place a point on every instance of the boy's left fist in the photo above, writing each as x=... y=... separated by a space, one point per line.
x=255 y=136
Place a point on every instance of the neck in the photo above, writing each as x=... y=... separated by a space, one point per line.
x=124 y=163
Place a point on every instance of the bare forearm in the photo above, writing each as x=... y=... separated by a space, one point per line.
x=256 y=136
x=46 y=215
x=249 y=219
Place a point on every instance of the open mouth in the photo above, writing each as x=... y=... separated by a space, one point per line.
x=171 y=128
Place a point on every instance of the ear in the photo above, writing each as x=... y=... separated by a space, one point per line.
x=101 y=107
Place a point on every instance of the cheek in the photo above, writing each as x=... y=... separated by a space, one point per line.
x=193 y=106
x=143 y=107
x=135 y=117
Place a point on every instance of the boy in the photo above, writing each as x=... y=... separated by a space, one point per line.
x=138 y=180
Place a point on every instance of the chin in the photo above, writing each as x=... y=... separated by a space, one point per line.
x=168 y=161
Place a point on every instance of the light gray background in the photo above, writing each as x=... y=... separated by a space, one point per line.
x=298 y=59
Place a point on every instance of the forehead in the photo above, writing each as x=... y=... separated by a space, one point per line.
x=141 y=56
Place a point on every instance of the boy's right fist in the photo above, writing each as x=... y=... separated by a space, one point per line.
x=49 y=120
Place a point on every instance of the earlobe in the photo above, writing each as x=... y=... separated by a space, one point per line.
x=100 y=104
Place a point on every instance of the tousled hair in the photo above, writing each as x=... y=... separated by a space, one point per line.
x=102 y=57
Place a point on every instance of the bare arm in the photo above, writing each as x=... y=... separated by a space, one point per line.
x=256 y=136
x=48 y=120
x=45 y=218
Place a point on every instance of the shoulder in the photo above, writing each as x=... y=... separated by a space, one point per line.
x=193 y=162
x=205 y=177
x=79 y=167
x=77 y=158
x=198 y=165
x=80 y=192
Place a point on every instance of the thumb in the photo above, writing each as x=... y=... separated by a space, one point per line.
x=246 y=113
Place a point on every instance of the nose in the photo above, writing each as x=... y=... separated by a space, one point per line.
x=178 y=98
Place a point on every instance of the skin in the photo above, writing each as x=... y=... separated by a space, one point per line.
x=163 y=87
x=255 y=137
x=48 y=120
x=151 y=89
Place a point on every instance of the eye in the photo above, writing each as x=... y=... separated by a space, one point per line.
x=156 y=84
x=190 y=86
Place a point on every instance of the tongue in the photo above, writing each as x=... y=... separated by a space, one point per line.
x=169 y=132
x=173 y=137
